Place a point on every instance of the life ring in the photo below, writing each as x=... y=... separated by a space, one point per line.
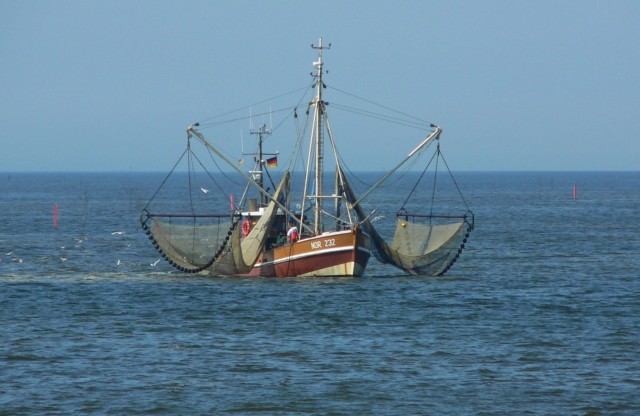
x=246 y=228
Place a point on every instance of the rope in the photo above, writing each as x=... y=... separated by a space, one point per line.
x=418 y=182
x=377 y=116
x=165 y=179
x=293 y=111
x=381 y=106
x=435 y=178
x=250 y=105
x=454 y=181
x=190 y=172
x=222 y=191
x=437 y=155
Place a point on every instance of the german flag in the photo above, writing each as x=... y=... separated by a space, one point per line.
x=272 y=162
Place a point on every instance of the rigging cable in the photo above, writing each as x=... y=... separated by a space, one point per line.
x=165 y=179
x=419 y=180
x=381 y=106
x=250 y=105
x=454 y=182
x=207 y=125
x=378 y=116
x=215 y=162
x=222 y=191
x=435 y=178
x=190 y=172
x=294 y=110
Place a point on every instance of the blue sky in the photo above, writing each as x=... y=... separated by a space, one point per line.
x=516 y=85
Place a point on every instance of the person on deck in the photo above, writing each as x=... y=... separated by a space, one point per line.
x=292 y=233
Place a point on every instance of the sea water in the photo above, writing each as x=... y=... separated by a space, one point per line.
x=540 y=315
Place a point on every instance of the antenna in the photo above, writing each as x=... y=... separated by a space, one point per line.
x=318 y=63
x=320 y=45
x=261 y=131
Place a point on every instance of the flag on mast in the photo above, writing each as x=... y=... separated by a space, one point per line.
x=272 y=162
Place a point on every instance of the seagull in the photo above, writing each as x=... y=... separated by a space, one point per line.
x=118 y=263
x=117 y=233
x=204 y=190
x=155 y=262
x=63 y=259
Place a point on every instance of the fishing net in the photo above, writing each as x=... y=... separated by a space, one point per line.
x=195 y=243
x=421 y=245
x=191 y=243
x=423 y=242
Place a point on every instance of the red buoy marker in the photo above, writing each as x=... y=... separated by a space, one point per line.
x=55 y=216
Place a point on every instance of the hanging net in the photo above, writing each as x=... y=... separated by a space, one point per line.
x=424 y=242
x=213 y=243
x=428 y=244
x=195 y=225
x=191 y=243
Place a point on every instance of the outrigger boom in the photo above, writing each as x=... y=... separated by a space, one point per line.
x=191 y=131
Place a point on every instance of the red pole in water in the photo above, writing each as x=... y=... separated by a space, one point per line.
x=55 y=216
x=575 y=192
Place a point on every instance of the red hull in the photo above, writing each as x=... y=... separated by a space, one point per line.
x=340 y=253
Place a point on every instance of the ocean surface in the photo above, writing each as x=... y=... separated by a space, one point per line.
x=539 y=316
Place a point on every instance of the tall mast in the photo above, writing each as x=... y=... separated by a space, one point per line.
x=319 y=140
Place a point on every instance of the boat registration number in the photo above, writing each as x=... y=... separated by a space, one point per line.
x=327 y=243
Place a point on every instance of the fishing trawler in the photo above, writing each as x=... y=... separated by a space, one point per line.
x=328 y=232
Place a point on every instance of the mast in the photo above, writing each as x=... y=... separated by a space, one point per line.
x=318 y=138
x=258 y=175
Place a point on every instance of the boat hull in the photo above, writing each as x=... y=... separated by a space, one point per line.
x=339 y=253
